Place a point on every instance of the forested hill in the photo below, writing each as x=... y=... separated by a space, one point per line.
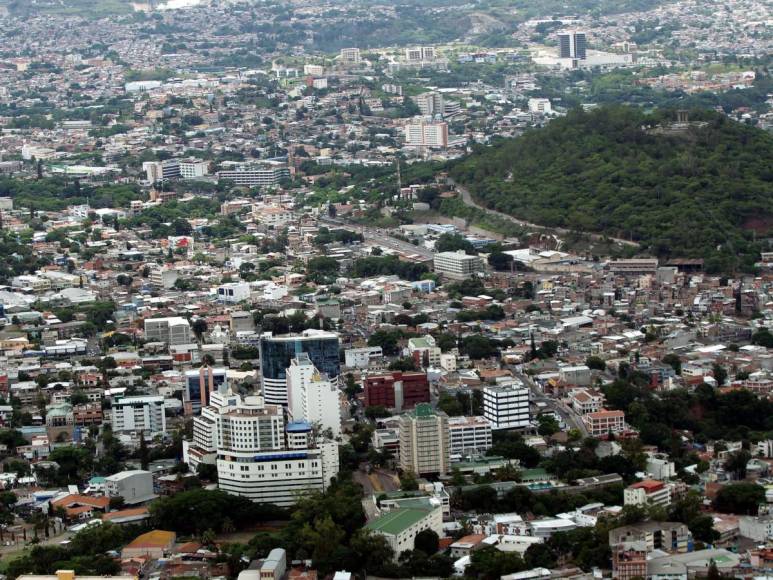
x=699 y=192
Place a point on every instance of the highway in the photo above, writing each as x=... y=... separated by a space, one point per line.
x=380 y=237
x=468 y=200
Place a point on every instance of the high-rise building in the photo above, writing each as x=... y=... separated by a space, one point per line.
x=396 y=390
x=139 y=414
x=469 y=436
x=350 y=55
x=572 y=44
x=276 y=352
x=427 y=134
x=161 y=170
x=424 y=441
x=430 y=104
x=420 y=53
x=311 y=397
x=256 y=175
x=506 y=406
x=199 y=386
x=457 y=265
x=257 y=455
x=173 y=330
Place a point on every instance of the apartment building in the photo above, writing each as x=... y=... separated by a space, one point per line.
x=427 y=134
x=424 y=441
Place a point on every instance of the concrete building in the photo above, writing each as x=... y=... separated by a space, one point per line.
x=135 y=414
x=173 y=330
x=647 y=493
x=426 y=134
x=199 y=386
x=396 y=390
x=671 y=537
x=193 y=168
x=468 y=436
x=424 y=441
x=457 y=265
x=134 y=486
x=350 y=55
x=507 y=406
x=256 y=175
x=361 y=358
x=604 y=422
x=572 y=44
x=311 y=397
x=629 y=561
x=401 y=526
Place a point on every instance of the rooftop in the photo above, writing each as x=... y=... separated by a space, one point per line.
x=397 y=521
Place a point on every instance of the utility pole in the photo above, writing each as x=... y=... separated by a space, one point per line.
x=399 y=180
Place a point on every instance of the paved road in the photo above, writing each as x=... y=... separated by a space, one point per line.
x=468 y=200
x=380 y=237
x=569 y=415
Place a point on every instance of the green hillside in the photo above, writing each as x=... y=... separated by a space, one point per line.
x=704 y=192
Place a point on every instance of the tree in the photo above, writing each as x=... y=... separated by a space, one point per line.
x=405 y=364
x=500 y=261
x=720 y=374
x=408 y=481
x=595 y=362
x=702 y=528
x=547 y=425
x=199 y=327
x=427 y=541
x=740 y=498
x=143 y=452
x=674 y=361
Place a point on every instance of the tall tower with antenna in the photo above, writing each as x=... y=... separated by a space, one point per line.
x=399 y=180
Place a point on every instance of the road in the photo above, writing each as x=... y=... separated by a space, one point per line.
x=380 y=237
x=468 y=200
x=569 y=415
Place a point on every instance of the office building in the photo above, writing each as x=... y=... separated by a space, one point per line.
x=311 y=397
x=396 y=390
x=199 y=386
x=256 y=175
x=506 y=406
x=350 y=55
x=361 y=358
x=135 y=414
x=468 y=436
x=156 y=171
x=424 y=441
x=457 y=265
x=572 y=44
x=427 y=134
x=278 y=476
x=629 y=561
x=420 y=53
x=424 y=350
x=133 y=486
x=193 y=168
x=277 y=351
x=173 y=330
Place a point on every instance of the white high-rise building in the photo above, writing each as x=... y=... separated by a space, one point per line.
x=311 y=396
x=427 y=134
x=506 y=406
x=350 y=55
x=193 y=168
x=257 y=455
x=139 y=414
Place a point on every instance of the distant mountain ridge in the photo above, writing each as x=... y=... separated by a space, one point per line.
x=704 y=190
